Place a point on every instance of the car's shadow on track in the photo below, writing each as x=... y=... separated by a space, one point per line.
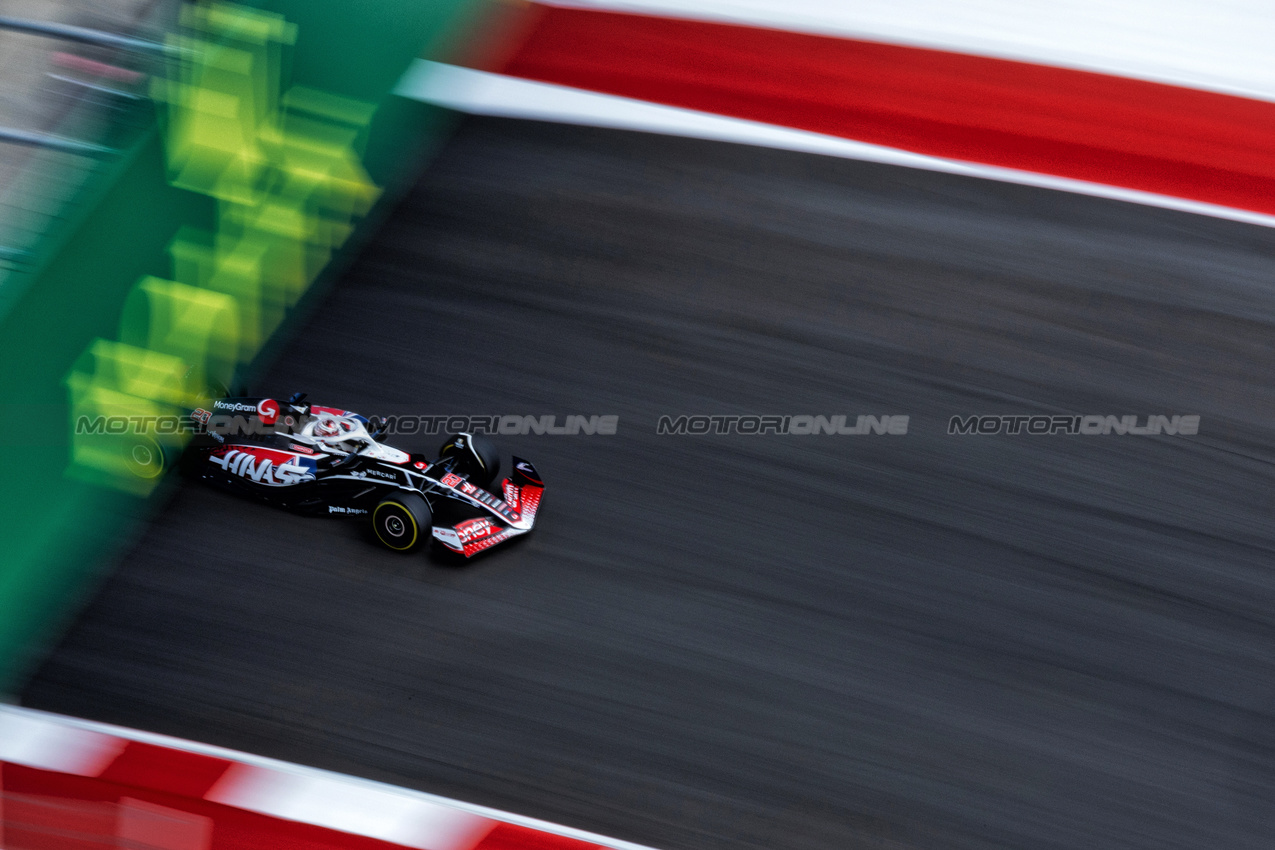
x=349 y=545
x=433 y=563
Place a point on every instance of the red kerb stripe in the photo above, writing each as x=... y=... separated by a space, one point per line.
x=1140 y=135
x=508 y=836
x=161 y=769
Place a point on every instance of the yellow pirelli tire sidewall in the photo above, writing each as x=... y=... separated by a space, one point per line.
x=402 y=522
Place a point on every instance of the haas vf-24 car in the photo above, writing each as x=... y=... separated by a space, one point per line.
x=325 y=461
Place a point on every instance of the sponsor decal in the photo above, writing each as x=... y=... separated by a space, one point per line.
x=421 y=465
x=297 y=447
x=234 y=406
x=265 y=466
x=364 y=473
x=475 y=529
x=268 y=410
x=527 y=471
x=478 y=494
x=337 y=509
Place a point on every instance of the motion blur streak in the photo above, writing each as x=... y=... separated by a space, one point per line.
x=61 y=794
x=736 y=641
x=1217 y=46
x=1167 y=140
x=483 y=93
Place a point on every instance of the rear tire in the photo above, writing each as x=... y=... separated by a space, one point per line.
x=477 y=457
x=403 y=522
x=143 y=456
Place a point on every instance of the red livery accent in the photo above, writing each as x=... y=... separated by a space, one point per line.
x=471 y=549
x=527 y=472
x=451 y=479
x=489 y=500
x=333 y=411
x=530 y=501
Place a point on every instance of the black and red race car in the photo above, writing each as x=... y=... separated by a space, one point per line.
x=326 y=461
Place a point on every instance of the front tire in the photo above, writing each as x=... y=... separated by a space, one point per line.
x=403 y=522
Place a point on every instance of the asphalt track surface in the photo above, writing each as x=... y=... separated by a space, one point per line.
x=747 y=641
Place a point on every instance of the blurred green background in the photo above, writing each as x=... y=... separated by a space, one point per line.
x=61 y=532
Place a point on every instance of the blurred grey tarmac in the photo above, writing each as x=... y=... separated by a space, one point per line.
x=762 y=641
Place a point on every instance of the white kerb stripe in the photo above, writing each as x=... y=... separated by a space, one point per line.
x=34 y=741
x=334 y=803
x=484 y=93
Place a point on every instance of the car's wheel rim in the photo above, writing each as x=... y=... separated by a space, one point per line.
x=145 y=461
x=395 y=526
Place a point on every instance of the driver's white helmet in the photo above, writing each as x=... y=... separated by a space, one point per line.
x=326 y=429
x=339 y=432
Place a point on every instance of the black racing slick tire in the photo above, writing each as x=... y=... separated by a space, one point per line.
x=476 y=457
x=403 y=522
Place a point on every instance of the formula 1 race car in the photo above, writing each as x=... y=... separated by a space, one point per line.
x=324 y=461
